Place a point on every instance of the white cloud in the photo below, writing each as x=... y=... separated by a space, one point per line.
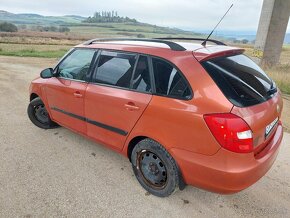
x=188 y=14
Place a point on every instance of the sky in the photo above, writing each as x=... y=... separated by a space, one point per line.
x=195 y=15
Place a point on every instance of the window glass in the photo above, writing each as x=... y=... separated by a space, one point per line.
x=76 y=65
x=241 y=80
x=115 y=69
x=169 y=81
x=141 y=80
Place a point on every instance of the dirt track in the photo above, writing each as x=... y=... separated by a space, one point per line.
x=58 y=173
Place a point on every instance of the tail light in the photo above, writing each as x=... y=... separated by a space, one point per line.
x=231 y=131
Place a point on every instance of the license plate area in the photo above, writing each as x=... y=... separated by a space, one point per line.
x=270 y=127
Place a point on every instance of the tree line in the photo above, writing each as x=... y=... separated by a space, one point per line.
x=108 y=17
x=8 y=27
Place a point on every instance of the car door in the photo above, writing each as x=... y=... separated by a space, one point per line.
x=65 y=92
x=118 y=95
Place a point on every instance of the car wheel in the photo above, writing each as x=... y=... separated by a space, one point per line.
x=38 y=114
x=154 y=168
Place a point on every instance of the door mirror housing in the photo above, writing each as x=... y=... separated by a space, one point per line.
x=47 y=73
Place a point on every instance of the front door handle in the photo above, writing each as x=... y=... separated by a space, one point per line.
x=130 y=106
x=77 y=94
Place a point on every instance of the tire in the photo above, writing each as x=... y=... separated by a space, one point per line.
x=39 y=116
x=154 y=168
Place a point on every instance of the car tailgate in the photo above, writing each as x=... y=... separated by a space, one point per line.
x=261 y=117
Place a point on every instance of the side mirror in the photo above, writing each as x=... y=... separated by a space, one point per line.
x=47 y=73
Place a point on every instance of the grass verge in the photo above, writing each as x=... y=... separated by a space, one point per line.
x=281 y=75
x=34 y=53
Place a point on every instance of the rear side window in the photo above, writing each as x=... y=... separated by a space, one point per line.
x=169 y=81
x=242 y=81
x=115 y=69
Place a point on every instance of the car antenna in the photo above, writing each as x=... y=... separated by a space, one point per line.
x=204 y=42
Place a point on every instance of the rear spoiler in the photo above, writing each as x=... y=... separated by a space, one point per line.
x=207 y=53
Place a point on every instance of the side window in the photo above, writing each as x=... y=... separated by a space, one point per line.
x=115 y=69
x=169 y=81
x=141 y=79
x=76 y=65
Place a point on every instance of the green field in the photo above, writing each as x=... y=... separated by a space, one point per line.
x=34 y=53
x=33 y=50
x=127 y=30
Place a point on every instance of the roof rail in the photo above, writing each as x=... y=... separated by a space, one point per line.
x=172 y=45
x=194 y=39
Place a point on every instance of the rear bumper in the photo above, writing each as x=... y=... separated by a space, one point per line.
x=227 y=172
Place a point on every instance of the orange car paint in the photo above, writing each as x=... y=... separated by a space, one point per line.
x=176 y=124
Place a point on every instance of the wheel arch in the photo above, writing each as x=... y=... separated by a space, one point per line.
x=134 y=141
x=35 y=92
x=33 y=96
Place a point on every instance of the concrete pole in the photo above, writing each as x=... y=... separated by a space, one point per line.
x=271 y=32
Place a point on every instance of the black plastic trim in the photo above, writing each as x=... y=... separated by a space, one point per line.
x=107 y=127
x=193 y=39
x=102 y=125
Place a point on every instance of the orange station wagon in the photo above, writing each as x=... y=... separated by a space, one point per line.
x=182 y=112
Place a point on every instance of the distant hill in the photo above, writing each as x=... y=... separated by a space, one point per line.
x=101 y=24
x=36 y=19
x=240 y=35
x=250 y=35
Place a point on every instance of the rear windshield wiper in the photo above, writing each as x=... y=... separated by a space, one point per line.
x=272 y=90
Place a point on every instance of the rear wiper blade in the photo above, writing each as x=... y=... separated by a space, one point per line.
x=272 y=84
x=272 y=91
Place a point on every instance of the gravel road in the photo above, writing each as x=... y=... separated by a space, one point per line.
x=53 y=173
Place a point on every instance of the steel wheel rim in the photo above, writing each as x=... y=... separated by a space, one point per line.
x=152 y=169
x=41 y=114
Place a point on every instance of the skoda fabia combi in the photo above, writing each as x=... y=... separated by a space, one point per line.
x=182 y=112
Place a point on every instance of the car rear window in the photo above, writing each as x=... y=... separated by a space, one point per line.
x=242 y=81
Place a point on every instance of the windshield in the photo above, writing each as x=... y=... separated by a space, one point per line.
x=242 y=81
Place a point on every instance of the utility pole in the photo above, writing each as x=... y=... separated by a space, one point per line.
x=271 y=32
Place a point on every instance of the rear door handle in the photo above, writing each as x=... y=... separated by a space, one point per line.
x=77 y=94
x=130 y=106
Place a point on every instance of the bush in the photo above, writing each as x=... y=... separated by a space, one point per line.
x=141 y=36
x=8 y=27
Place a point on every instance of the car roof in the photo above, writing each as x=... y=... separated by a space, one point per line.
x=200 y=52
